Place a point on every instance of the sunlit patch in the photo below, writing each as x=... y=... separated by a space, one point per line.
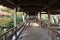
x=58 y=38
x=34 y=24
x=43 y=12
x=27 y=23
x=4 y=29
x=58 y=31
x=13 y=38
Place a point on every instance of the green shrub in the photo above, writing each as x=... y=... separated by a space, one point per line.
x=19 y=19
x=32 y=17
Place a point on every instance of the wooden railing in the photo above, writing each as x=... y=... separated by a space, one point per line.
x=53 y=32
x=55 y=35
x=8 y=35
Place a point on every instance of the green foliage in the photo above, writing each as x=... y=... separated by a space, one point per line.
x=54 y=20
x=19 y=19
x=11 y=23
x=32 y=17
x=58 y=20
x=1 y=38
x=44 y=18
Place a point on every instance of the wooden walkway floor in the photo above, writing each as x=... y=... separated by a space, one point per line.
x=34 y=33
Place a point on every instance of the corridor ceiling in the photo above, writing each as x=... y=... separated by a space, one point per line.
x=33 y=6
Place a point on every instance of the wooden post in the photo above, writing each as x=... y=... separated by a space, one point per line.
x=15 y=14
x=38 y=16
x=4 y=37
x=26 y=19
x=40 y=19
x=23 y=17
x=49 y=31
x=27 y=16
x=49 y=12
x=15 y=23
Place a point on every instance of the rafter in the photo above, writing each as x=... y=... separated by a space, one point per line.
x=32 y=4
x=10 y=2
x=48 y=5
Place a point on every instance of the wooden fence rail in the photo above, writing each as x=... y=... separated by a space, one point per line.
x=11 y=32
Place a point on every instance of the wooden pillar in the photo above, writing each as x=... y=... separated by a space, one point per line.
x=4 y=37
x=26 y=19
x=15 y=14
x=49 y=12
x=15 y=23
x=27 y=16
x=49 y=31
x=23 y=17
x=40 y=19
x=49 y=18
x=38 y=16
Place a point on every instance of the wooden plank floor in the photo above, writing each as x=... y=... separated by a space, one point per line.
x=34 y=33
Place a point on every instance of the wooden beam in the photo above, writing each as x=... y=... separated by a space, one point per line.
x=31 y=4
x=48 y=5
x=31 y=9
x=20 y=1
x=11 y=2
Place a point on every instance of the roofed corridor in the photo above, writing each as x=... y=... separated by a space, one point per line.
x=33 y=29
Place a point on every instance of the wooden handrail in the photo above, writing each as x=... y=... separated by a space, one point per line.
x=7 y=31
x=54 y=30
x=10 y=30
